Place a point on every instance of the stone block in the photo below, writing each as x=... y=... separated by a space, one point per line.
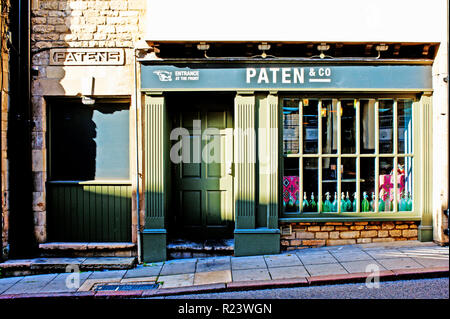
x=314 y=242
x=333 y=224
x=322 y=235
x=39 y=204
x=327 y=228
x=341 y=228
x=383 y=233
x=304 y=235
x=369 y=233
x=395 y=233
x=409 y=233
x=382 y=240
x=401 y=226
x=314 y=228
x=388 y=225
x=334 y=235
x=296 y=242
x=372 y=227
x=361 y=223
x=356 y=227
x=42 y=28
x=349 y=234
x=337 y=242
x=363 y=240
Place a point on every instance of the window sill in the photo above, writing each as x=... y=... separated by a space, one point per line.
x=349 y=217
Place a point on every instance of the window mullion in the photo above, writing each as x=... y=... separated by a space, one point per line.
x=319 y=151
x=377 y=152
x=395 y=149
x=300 y=159
x=358 y=160
x=338 y=168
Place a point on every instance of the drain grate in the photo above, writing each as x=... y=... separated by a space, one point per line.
x=126 y=287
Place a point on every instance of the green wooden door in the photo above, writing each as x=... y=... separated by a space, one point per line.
x=203 y=181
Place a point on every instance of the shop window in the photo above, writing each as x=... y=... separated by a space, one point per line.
x=89 y=142
x=349 y=155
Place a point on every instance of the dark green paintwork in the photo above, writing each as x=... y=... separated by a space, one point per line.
x=89 y=213
x=251 y=242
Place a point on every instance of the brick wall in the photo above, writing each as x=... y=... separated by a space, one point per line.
x=76 y=24
x=347 y=233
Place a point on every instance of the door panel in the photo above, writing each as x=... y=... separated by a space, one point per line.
x=205 y=188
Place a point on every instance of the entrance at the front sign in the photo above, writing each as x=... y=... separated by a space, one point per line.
x=201 y=155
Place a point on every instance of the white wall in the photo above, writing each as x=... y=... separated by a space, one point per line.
x=296 y=20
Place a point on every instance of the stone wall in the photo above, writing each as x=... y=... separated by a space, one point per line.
x=317 y=234
x=77 y=24
x=3 y=127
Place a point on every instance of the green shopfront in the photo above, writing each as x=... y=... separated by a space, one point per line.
x=254 y=150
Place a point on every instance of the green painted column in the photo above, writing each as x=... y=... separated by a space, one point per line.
x=256 y=230
x=244 y=160
x=157 y=162
x=425 y=187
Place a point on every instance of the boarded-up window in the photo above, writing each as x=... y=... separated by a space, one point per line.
x=89 y=142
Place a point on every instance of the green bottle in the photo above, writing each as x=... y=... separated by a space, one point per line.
x=334 y=205
x=312 y=204
x=402 y=204
x=409 y=203
x=327 y=205
x=305 y=204
x=297 y=205
x=343 y=203
x=372 y=203
x=348 y=204
x=354 y=202
x=291 y=203
x=365 y=205
x=381 y=204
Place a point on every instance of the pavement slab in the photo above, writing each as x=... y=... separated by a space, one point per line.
x=351 y=255
x=6 y=283
x=144 y=271
x=176 y=267
x=60 y=284
x=432 y=261
x=30 y=284
x=251 y=262
x=282 y=260
x=325 y=269
x=288 y=272
x=399 y=263
x=213 y=264
x=107 y=274
x=323 y=257
x=385 y=253
x=250 y=274
x=174 y=281
x=212 y=277
x=361 y=266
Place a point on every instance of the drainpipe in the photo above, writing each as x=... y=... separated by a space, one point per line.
x=138 y=226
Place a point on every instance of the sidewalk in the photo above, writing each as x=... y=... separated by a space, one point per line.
x=326 y=265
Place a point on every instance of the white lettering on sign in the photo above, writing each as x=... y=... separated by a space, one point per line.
x=71 y=56
x=271 y=75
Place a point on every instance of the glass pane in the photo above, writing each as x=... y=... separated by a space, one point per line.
x=291 y=126
x=329 y=185
x=348 y=185
x=310 y=185
x=405 y=180
x=386 y=125
x=89 y=143
x=385 y=184
x=348 y=126
x=329 y=126
x=405 y=129
x=367 y=126
x=291 y=199
x=367 y=186
x=310 y=126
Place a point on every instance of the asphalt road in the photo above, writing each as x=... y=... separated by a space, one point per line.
x=435 y=288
